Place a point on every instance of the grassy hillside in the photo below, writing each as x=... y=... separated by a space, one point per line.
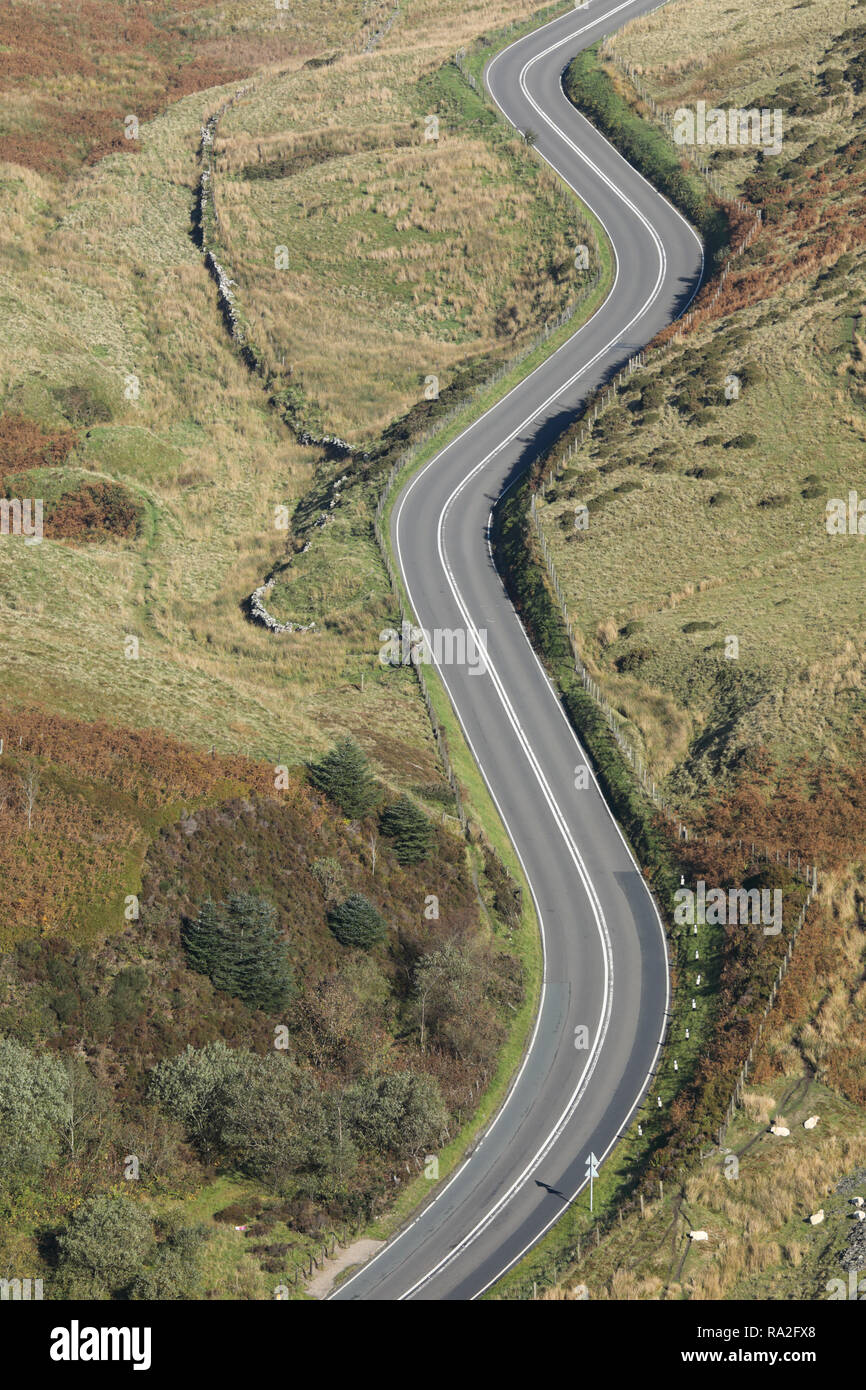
x=112 y=846
x=70 y=75
x=724 y=622
x=113 y=343
x=145 y=717
x=708 y=502
x=404 y=256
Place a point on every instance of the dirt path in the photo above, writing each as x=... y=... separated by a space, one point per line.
x=358 y=1253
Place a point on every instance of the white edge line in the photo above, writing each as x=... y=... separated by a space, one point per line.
x=586 y=367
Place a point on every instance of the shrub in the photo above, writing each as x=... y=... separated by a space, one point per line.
x=439 y=792
x=24 y=444
x=330 y=876
x=653 y=395
x=33 y=1093
x=173 y=1270
x=751 y=373
x=775 y=499
x=398 y=1113
x=94 y=510
x=84 y=403
x=103 y=1247
x=633 y=660
x=264 y=1115
x=193 y=1089
x=236 y=1214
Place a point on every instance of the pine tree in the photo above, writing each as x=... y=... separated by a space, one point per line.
x=356 y=922
x=344 y=776
x=237 y=946
x=202 y=939
x=409 y=828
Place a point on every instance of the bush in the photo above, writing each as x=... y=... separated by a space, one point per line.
x=174 y=1268
x=633 y=660
x=264 y=1115
x=237 y=1214
x=103 y=1247
x=194 y=1089
x=398 y=1113
x=751 y=373
x=410 y=830
x=742 y=441
x=356 y=922
x=654 y=394
x=330 y=876
x=92 y=511
x=84 y=403
x=33 y=1096
x=439 y=792
x=775 y=499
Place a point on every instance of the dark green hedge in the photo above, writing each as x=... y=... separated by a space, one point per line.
x=529 y=592
x=588 y=86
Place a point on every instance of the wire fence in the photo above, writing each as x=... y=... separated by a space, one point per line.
x=546 y=1273
x=401 y=464
x=686 y=322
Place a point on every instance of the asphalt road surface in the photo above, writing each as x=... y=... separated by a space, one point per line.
x=605 y=959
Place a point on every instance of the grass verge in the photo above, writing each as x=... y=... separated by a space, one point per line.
x=476 y=796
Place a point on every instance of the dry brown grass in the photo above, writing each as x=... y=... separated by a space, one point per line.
x=70 y=74
x=100 y=281
x=405 y=256
x=713 y=540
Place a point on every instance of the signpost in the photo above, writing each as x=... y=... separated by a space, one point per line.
x=591 y=1173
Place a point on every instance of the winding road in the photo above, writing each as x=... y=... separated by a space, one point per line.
x=605 y=958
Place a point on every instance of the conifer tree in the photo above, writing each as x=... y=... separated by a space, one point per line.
x=357 y=922
x=345 y=778
x=237 y=946
x=409 y=828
